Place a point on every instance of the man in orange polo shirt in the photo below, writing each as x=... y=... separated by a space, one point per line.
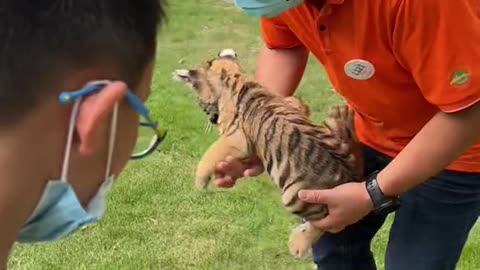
x=411 y=71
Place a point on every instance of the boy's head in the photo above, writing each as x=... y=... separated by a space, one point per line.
x=45 y=42
x=51 y=46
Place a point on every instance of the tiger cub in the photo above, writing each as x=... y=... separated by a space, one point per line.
x=296 y=153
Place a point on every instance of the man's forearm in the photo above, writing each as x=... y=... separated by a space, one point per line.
x=281 y=70
x=443 y=139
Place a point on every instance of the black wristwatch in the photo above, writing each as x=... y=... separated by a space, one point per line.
x=382 y=204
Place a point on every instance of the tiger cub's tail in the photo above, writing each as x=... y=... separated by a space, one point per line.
x=340 y=124
x=299 y=104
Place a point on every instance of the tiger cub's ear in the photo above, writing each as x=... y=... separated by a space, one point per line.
x=189 y=77
x=227 y=53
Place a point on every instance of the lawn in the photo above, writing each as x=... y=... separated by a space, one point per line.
x=156 y=219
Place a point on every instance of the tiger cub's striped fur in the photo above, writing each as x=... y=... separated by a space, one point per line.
x=296 y=153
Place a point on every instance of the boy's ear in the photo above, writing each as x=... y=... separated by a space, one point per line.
x=93 y=110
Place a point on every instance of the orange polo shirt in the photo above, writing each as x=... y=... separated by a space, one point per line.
x=396 y=62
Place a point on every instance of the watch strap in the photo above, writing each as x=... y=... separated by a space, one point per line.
x=381 y=203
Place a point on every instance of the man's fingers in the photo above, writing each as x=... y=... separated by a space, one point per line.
x=237 y=169
x=225 y=182
x=254 y=167
x=231 y=167
x=314 y=196
x=254 y=171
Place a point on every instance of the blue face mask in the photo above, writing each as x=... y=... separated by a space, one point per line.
x=59 y=213
x=266 y=8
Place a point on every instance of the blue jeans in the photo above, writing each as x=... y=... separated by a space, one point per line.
x=428 y=233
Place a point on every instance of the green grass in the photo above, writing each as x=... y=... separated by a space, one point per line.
x=156 y=219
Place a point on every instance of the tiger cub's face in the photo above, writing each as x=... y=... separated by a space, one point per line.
x=207 y=81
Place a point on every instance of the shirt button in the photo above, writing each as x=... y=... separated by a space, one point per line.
x=322 y=27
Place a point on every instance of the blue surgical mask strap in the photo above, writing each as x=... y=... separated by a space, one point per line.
x=111 y=141
x=68 y=147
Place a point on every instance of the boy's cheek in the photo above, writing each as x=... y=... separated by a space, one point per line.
x=143 y=90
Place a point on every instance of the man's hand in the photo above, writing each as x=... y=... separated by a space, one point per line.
x=347 y=204
x=228 y=171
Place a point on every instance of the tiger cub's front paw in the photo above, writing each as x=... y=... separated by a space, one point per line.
x=205 y=171
x=202 y=181
x=302 y=238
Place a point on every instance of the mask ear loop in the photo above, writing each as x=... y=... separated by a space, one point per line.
x=68 y=147
x=71 y=128
x=96 y=206
x=111 y=141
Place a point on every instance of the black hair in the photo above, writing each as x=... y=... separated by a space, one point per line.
x=42 y=41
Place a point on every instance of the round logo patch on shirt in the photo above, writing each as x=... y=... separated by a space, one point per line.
x=359 y=69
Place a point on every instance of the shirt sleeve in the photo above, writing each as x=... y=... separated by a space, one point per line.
x=438 y=42
x=277 y=35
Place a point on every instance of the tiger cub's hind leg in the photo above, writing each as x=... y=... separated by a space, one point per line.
x=302 y=238
x=234 y=146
